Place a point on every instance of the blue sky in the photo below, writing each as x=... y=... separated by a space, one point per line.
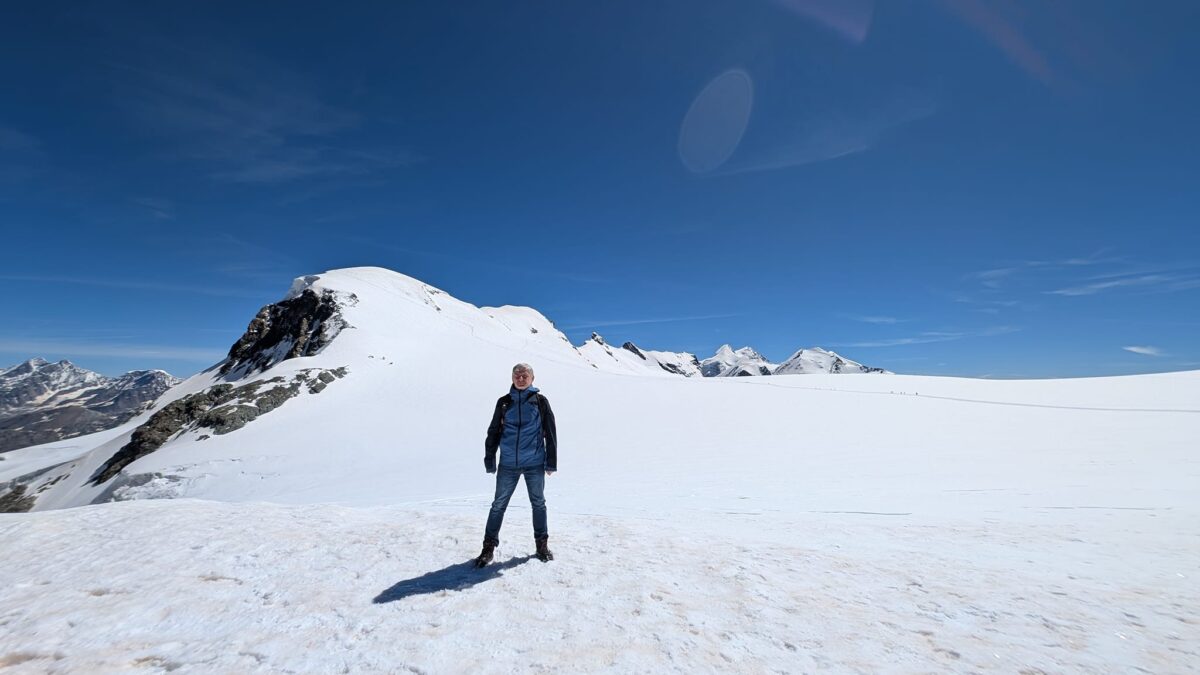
x=957 y=187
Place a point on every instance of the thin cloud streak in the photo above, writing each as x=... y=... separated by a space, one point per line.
x=1165 y=282
x=876 y=319
x=993 y=278
x=634 y=322
x=69 y=348
x=135 y=285
x=897 y=342
x=1145 y=350
x=251 y=120
x=931 y=337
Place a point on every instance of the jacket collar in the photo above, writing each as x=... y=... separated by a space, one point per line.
x=519 y=395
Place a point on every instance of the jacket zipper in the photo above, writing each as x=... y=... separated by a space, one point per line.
x=520 y=422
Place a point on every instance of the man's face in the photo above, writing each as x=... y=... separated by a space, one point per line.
x=522 y=379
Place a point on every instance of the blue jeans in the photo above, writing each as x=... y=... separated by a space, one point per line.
x=506 y=484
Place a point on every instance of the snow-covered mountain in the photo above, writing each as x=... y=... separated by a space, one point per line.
x=42 y=401
x=728 y=362
x=817 y=360
x=631 y=358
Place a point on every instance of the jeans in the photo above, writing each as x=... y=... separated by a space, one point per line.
x=506 y=484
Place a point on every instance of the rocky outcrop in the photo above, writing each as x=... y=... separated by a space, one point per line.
x=41 y=402
x=15 y=500
x=221 y=408
x=301 y=325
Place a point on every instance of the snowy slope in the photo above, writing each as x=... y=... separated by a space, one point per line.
x=629 y=358
x=789 y=523
x=817 y=360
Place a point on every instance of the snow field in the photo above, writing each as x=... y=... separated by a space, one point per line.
x=196 y=586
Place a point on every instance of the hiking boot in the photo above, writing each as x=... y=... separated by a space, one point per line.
x=543 y=549
x=485 y=556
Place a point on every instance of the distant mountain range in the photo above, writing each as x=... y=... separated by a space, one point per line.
x=42 y=401
x=726 y=362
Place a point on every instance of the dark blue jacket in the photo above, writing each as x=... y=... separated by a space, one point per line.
x=522 y=429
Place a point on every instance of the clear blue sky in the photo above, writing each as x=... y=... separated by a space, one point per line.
x=959 y=187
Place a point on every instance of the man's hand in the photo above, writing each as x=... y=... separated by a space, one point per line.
x=549 y=473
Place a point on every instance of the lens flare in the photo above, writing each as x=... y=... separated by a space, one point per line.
x=716 y=121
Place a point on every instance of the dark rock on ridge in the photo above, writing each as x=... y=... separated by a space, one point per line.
x=299 y=326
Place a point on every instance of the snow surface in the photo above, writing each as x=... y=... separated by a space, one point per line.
x=792 y=523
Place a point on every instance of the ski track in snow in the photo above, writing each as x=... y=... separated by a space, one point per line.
x=198 y=586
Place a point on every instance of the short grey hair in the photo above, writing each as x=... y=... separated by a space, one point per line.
x=523 y=366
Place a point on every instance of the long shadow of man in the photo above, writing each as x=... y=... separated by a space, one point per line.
x=453 y=578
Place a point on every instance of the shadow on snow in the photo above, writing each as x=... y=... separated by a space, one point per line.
x=453 y=578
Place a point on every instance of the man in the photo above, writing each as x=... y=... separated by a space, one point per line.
x=523 y=430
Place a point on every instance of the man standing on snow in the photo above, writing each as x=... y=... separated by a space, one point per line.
x=523 y=430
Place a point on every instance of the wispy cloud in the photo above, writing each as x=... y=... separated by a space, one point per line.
x=992 y=278
x=249 y=119
x=923 y=338
x=162 y=209
x=1145 y=350
x=1158 y=282
x=21 y=155
x=930 y=337
x=875 y=319
x=133 y=285
x=634 y=322
x=998 y=277
x=1063 y=278
x=59 y=348
x=12 y=140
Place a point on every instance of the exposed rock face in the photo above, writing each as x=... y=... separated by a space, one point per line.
x=42 y=402
x=222 y=408
x=15 y=501
x=299 y=326
x=629 y=346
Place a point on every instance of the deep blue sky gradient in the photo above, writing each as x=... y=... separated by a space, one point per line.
x=959 y=187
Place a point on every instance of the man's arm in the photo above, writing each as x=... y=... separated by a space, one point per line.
x=550 y=432
x=492 y=442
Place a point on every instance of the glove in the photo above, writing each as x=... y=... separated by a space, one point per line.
x=489 y=464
